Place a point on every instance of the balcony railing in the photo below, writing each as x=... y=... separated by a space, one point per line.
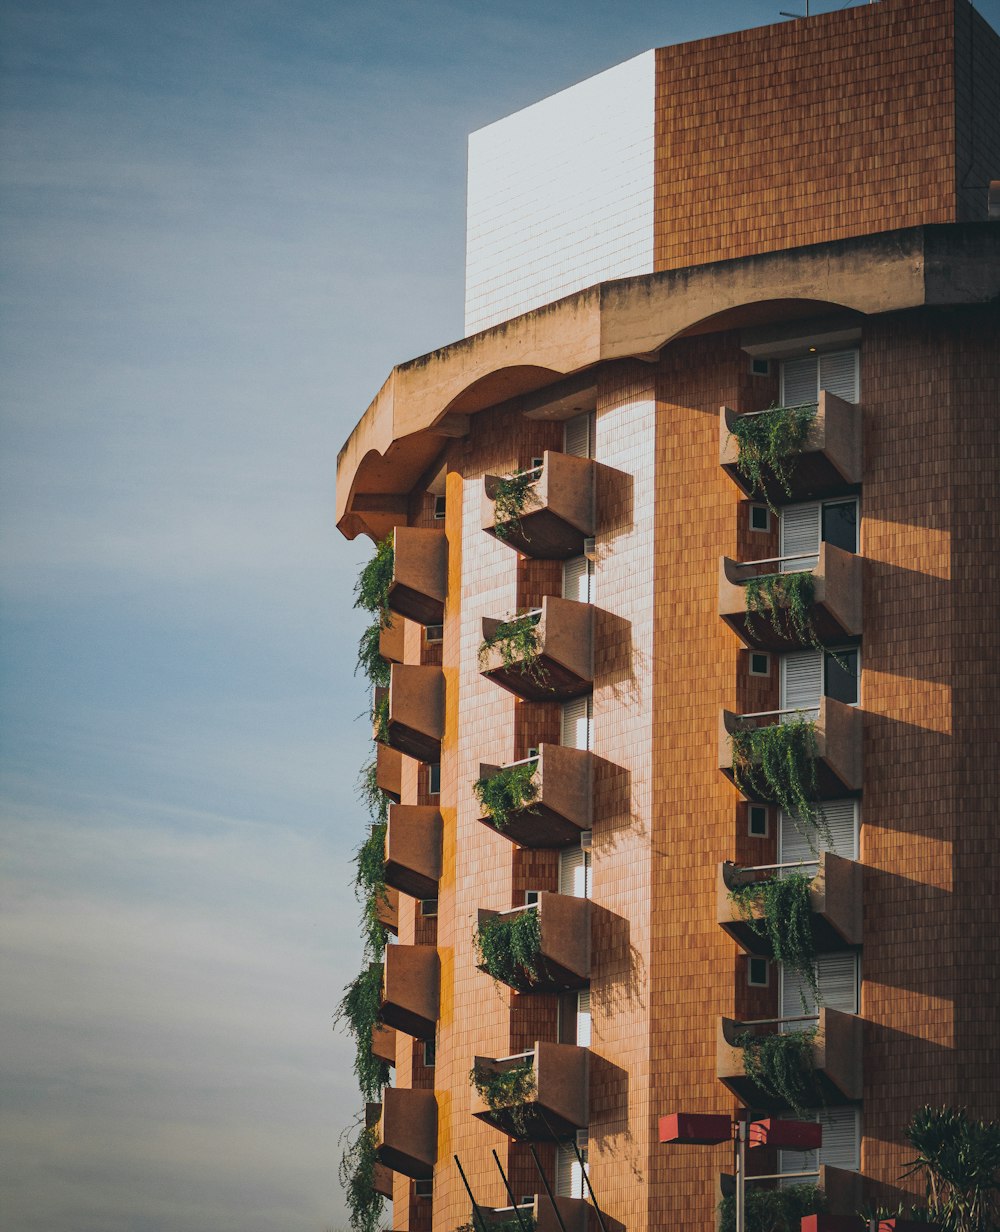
x=575 y=1215
x=546 y=513
x=407 y=1130
x=836 y=902
x=835 y=1053
x=834 y=609
x=419 y=574
x=411 y=989
x=548 y=1103
x=562 y=959
x=837 y=731
x=415 y=721
x=829 y=460
x=546 y=654
x=413 y=850
x=561 y=802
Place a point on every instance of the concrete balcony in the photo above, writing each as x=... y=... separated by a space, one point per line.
x=410 y=989
x=836 y=1058
x=563 y=633
x=416 y=711
x=836 y=606
x=836 y=902
x=387 y=910
x=407 y=1130
x=389 y=771
x=839 y=754
x=381 y=1176
x=391 y=639
x=413 y=850
x=830 y=459
x=563 y=803
x=384 y=1043
x=419 y=574
x=575 y=1215
x=557 y=1102
x=558 y=511
x=563 y=960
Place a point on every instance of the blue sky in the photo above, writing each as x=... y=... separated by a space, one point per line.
x=223 y=223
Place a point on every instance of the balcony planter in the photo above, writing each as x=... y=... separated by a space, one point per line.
x=413 y=850
x=546 y=655
x=542 y=948
x=835 y=1053
x=575 y=1215
x=835 y=745
x=407 y=1132
x=419 y=574
x=549 y=799
x=835 y=905
x=833 y=589
x=827 y=460
x=546 y=513
x=411 y=988
x=415 y=718
x=544 y=1099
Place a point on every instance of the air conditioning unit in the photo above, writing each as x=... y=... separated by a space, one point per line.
x=586 y=839
x=590 y=548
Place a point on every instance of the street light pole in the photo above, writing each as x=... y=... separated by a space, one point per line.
x=740 y=1168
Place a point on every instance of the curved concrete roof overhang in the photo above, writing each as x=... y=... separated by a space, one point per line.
x=427 y=400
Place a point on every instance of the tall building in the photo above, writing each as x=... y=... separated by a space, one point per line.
x=693 y=588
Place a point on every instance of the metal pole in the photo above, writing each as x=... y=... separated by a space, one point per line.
x=740 y=1160
x=590 y=1188
x=548 y=1187
x=475 y=1209
x=510 y=1194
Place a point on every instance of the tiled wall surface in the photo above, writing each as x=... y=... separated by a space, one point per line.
x=561 y=195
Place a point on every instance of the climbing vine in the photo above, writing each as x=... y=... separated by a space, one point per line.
x=357 y=1176
x=774 y=1210
x=786 y=600
x=369 y=888
x=781 y=1065
x=785 y=920
x=510 y=496
x=371 y=663
x=507 y=791
x=509 y=947
x=767 y=444
x=371 y=590
x=778 y=762
x=380 y=716
x=375 y=800
x=519 y=646
x=508 y=1090
x=361 y=1008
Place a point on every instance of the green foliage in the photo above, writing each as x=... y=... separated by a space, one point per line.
x=511 y=1224
x=372 y=796
x=371 y=590
x=774 y=1210
x=369 y=888
x=506 y=792
x=507 y=1090
x=509 y=947
x=380 y=716
x=371 y=664
x=510 y=496
x=781 y=1065
x=357 y=1176
x=517 y=641
x=786 y=599
x=960 y=1161
x=778 y=763
x=360 y=1008
x=768 y=443
x=785 y=922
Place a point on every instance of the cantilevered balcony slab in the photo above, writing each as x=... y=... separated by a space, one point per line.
x=416 y=711
x=558 y=1103
x=407 y=1131
x=558 y=513
x=564 y=668
x=389 y=770
x=384 y=1043
x=391 y=640
x=563 y=804
x=413 y=850
x=836 y=1058
x=830 y=459
x=419 y=574
x=410 y=990
x=563 y=961
x=387 y=910
x=575 y=1215
x=839 y=753
x=836 y=606
x=836 y=904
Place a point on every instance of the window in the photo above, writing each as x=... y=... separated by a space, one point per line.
x=757 y=972
x=428 y=907
x=801 y=529
x=578 y=579
x=578 y=436
x=430 y=1052
x=439 y=504
x=434 y=633
x=423 y=1189
x=569 y=1174
x=760 y=664
x=583 y=1018
x=757 y=826
x=809 y=675
x=841 y=1144
x=843 y=823
x=574 y=872
x=760 y=518
x=837 y=976
x=578 y=723
x=537 y=463
x=804 y=377
x=760 y=367
x=434 y=779
x=841 y=673
x=531 y=897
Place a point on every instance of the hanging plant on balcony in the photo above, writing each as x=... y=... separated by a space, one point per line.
x=510 y=496
x=375 y=800
x=786 y=599
x=527 y=1223
x=519 y=646
x=380 y=716
x=371 y=663
x=371 y=590
x=361 y=1008
x=509 y=947
x=767 y=444
x=357 y=1176
x=508 y=791
x=775 y=1210
x=507 y=1090
x=370 y=890
x=781 y=1065
x=778 y=763
x=785 y=921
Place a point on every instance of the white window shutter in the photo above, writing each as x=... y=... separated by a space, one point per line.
x=799 y=381
x=837 y=975
x=577 y=723
x=802 y=681
x=838 y=374
x=842 y=822
x=577 y=579
x=841 y=1144
x=574 y=872
x=583 y=1035
x=799 y=535
x=569 y=1174
x=578 y=437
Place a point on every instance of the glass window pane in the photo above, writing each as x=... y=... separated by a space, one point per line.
x=840 y=524
x=842 y=676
